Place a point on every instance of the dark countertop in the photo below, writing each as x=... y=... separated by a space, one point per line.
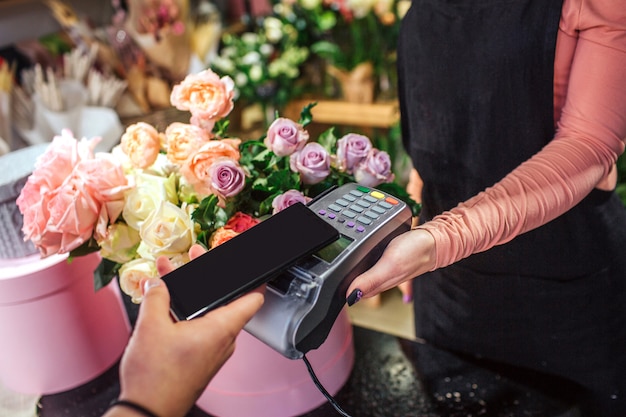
x=392 y=377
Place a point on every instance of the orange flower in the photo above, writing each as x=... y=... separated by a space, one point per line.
x=196 y=169
x=182 y=140
x=220 y=236
x=142 y=143
x=207 y=96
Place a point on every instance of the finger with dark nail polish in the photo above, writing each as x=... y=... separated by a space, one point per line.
x=354 y=297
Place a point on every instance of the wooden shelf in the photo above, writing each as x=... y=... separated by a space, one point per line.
x=336 y=112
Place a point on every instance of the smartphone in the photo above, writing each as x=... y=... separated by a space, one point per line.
x=246 y=261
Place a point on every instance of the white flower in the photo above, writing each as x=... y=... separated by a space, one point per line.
x=273 y=29
x=224 y=64
x=266 y=49
x=360 y=8
x=251 y=58
x=250 y=38
x=168 y=231
x=256 y=73
x=148 y=194
x=310 y=4
x=241 y=79
x=120 y=244
x=132 y=273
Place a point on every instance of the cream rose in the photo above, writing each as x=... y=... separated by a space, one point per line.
x=120 y=244
x=168 y=231
x=146 y=197
x=132 y=273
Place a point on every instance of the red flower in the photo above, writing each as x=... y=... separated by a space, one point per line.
x=240 y=222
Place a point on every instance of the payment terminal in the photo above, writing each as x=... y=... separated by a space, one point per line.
x=303 y=302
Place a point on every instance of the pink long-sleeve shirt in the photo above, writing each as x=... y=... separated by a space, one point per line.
x=590 y=112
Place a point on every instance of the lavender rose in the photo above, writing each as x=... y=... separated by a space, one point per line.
x=312 y=162
x=287 y=199
x=227 y=177
x=352 y=149
x=284 y=137
x=375 y=169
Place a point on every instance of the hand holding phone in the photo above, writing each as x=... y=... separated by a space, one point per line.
x=247 y=261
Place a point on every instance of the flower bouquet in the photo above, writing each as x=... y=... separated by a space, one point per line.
x=157 y=193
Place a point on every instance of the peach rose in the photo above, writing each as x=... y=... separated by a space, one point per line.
x=142 y=143
x=182 y=140
x=206 y=96
x=196 y=170
x=220 y=236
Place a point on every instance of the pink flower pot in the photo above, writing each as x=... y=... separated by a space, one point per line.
x=57 y=333
x=258 y=381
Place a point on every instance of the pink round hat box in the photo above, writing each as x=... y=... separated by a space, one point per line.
x=258 y=381
x=57 y=332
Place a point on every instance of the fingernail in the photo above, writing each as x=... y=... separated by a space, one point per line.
x=150 y=283
x=354 y=297
x=406 y=298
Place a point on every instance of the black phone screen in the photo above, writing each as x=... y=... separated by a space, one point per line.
x=246 y=261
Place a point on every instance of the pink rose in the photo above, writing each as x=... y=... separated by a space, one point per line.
x=60 y=158
x=312 y=162
x=183 y=139
x=103 y=177
x=375 y=169
x=287 y=199
x=206 y=96
x=142 y=143
x=59 y=210
x=284 y=137
x=352 y=149
x=196 y=168
x=62 y=220
x=227 y=177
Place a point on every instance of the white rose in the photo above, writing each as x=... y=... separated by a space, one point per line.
x=360 y=8
x=310 y=4
x=273 y=29
x=251 y=58
x=146 y=196
x=167 y=231
x=132 y=273
x=120 y=244
x=256 y=73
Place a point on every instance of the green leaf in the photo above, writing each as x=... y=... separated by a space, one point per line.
x=104 y=273
x=328 y=140
x=306 y=117
x=209 y=215
x=90 y=246
x=283 y=180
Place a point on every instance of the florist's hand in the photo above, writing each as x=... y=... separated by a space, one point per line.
x=167 y=365
x=407 y=256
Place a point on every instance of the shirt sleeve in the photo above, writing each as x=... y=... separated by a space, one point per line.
x=591 y=110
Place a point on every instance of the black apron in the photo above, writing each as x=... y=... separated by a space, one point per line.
x=476 y=98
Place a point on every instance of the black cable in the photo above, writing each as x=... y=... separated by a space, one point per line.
x=319 y=386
